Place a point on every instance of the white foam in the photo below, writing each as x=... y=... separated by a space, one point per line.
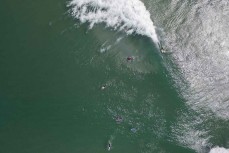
x=202 y=55
x=187 y=132
x=197 y=36
x=130 y=16
x=219 y=150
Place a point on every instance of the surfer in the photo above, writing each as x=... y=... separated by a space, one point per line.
x=161 y=48
x=109 y=146
x=129 y=58
x=103 y=87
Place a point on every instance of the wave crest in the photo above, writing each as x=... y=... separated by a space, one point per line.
x=130 y=16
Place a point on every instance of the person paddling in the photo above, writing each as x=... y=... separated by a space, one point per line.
x=103 y=87
x=109 y=146
x=129 y=58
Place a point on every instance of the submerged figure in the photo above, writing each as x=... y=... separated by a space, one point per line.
x=134 y=130
x=119 y=119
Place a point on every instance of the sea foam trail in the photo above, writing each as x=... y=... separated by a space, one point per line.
x=130 y=16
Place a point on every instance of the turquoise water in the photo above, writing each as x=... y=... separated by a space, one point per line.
x=52 y=68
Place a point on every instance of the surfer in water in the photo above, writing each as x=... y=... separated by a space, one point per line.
x=161 y=48
x=109 y=146
x=129 y=58
x=103 y=87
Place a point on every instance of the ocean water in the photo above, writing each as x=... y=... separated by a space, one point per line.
x=66 y=85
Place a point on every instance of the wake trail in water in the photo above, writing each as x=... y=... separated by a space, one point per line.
x=129 y=16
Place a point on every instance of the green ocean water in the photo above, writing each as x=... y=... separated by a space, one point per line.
x=51 y=73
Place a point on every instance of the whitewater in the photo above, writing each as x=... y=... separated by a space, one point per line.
x=129 y=16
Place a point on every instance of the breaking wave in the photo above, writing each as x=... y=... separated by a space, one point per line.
x=130 y=16
x=196 y=36
x=200 y=50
